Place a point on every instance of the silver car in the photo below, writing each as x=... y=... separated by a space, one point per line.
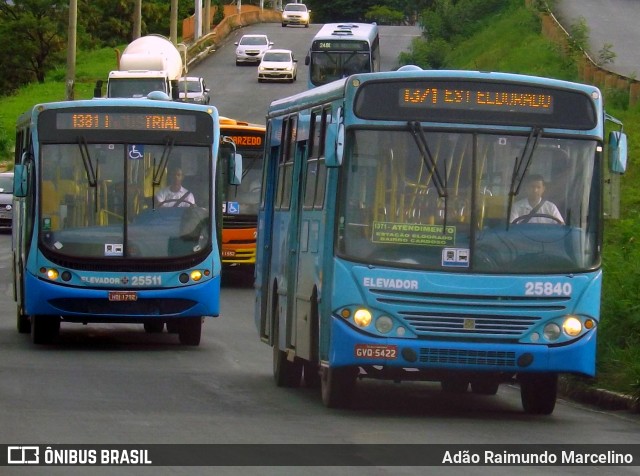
x=250 y=48
x=6 y=200
x=193 y=89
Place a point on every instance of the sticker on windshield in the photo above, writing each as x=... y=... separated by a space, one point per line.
x=413 y=234
x=113 y=249
x=232 y=208
x=135 y=151
x=458 y=257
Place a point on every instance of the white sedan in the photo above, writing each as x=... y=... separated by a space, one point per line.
x=278 y=65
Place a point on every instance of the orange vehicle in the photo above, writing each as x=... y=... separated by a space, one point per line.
x=240 y=202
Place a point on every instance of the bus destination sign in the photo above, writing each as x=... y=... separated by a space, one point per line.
x=340 y=45
x=81 y=120
x=246 y=140
x=442 y=97
x=463 y=101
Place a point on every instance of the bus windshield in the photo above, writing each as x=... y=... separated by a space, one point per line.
x=118 y=201
x=243 y=199
x=451 y=202
x=329 y=66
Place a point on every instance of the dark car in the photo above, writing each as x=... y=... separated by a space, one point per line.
x=6 y=200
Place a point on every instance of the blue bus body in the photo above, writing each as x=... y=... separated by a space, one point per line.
x=91 y=240
x=339 y=50
x=386 y=243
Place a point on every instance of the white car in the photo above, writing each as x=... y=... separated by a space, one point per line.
x=295 y=14
x=250 y=48
x=278 y=65
x=193 y=89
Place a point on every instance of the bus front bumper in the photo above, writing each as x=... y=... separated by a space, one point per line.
x=350 y=347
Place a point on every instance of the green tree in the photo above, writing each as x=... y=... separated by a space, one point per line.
x=384 y=15
x=33 y=34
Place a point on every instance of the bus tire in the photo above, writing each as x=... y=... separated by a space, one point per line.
x=538 y=393
x=153 y=327
x=485 y=387
x=173 y=326
x=44 y=329
x=285 y=372
x=337 y=385
x=23 y=322
x=454 y=385
x=190 y=331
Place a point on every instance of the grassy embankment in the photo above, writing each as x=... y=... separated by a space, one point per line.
x=511 y=41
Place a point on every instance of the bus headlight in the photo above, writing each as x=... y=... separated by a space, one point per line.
x=362 y=317
x=572 y=326
x=384 y=324
x=551 y=331
x=196 y=275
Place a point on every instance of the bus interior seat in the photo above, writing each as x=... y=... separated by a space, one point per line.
x=51 y=204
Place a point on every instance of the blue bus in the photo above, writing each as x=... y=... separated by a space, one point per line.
x=342 y=49
x=387 y=246
x=92 y=241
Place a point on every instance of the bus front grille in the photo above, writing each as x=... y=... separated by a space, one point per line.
x=467 y=357
x=141 y=307
x=469 y=316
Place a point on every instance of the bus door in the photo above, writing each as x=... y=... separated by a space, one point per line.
x=308 y=266
x=263 y=279
x=284 y=236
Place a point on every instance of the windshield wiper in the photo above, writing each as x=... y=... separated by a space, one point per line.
x=159 y=172
x=521 y=166
x=441 y=185
x=86 y=161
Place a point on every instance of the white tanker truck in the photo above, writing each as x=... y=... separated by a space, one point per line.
x=149 y=63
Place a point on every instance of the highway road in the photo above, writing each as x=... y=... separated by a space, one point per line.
x=235 y=90
x=610 y=22
x=107 y=384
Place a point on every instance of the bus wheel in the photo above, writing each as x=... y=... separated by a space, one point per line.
x=285 y=372
x=538 y=393
x=190 y=331
x=22 y=321
x=311 y=372
x=454 y=385
x=44 y=329
x=485 y=387
x=337 y=385
x=173 y=326
x=153 y=327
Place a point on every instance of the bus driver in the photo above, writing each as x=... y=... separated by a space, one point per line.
x=175 y=195
x=534 y=208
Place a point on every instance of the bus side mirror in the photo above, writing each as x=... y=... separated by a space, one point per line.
x=20 y=181
x=335 y=143
x=307 y=60
x=617 y=152
x=235 y=169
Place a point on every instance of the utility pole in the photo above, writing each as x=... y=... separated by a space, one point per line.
x=197 y=16
x=137 y=19
x=71 y=49
x=173 y=22
x=207 y=17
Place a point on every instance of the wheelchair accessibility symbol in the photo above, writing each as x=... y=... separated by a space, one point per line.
x=135 y=152
x=232 y=208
